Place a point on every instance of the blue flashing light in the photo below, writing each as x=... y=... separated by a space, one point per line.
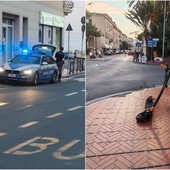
x=25 y=51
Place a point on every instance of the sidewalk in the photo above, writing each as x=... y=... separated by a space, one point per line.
x=114 y=140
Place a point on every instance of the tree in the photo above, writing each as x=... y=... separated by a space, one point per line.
x=148 y=15
x=91 y=30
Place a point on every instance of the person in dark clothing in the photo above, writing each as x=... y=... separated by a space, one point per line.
x=59 y=61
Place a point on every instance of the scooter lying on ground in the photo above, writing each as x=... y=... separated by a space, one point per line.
x=150 y=103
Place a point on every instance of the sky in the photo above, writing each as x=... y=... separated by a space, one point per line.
x=115 y=9
x=74 y=19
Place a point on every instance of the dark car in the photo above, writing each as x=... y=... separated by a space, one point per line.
x=108 y=52
x=31 y=67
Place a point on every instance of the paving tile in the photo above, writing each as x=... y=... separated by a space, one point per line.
x=114 y=140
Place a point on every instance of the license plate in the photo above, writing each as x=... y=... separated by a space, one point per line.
x=11 y=75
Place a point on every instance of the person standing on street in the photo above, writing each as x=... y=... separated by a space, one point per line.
x=59 y=61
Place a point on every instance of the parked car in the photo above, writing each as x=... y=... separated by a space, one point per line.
x=32 y=67
x=70 y=56
x=108 y=52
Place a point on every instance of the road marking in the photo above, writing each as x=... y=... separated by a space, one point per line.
x=70 y=94
x=25 y=107
x=54 y=115
x=58 y=153
x=80 y=79
x=2 y=134
x=84 y=90
x=42 y=146
x=28 y=124
x=2 y=103
x=75 y=108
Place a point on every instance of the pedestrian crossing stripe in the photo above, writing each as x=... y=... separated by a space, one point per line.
x=28 y=124
x=2 y=103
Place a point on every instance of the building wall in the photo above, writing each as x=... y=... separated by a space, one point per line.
x=25 y=18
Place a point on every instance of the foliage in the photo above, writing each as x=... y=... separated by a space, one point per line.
x=149 y=15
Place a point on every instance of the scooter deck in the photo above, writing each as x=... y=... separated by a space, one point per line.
x=149 y=102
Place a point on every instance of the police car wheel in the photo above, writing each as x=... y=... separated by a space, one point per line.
x=35 y=80
x=54 y=78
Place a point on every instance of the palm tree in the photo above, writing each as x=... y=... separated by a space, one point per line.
x=148 y=15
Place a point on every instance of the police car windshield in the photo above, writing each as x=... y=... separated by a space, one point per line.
x=26 y=59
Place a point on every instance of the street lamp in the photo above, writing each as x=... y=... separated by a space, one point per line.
x=163 y=43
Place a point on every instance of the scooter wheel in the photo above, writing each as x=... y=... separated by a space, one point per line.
x=144 y=116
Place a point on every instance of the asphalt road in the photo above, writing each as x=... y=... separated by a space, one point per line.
x=43 y=126
x=118 y=73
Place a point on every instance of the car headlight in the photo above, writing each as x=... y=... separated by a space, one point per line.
x=28 y=71
x=2 y=69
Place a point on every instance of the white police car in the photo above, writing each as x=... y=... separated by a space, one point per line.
x=47 y=49
x=30 y=67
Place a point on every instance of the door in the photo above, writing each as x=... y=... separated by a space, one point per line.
x=7 y=41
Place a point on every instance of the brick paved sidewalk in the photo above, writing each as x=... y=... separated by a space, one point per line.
x=114 y=140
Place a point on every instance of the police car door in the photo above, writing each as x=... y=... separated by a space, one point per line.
x=51 y=66
x=44 y=69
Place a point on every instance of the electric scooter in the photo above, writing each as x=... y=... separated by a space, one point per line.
x=150 y=103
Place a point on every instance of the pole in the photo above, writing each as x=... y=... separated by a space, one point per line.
x=82 y=51
x=163 y=43
x=68 y=51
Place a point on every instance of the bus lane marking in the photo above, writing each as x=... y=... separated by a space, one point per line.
x=2 y=103
x=41 y=146
x=54 y=115
x=2 y=134
x=28 y=124
x=58 y=153
x=75 y=108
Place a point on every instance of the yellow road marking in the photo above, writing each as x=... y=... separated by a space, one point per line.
x=58 y=153
x=41 y=146
x=2 y=103
x=21 y=145
x=54 y=115
x=2 y=134
x=75 y=108
x=28 y=124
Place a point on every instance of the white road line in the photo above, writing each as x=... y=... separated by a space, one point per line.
x=75 y=108
x=25 y=107
x=2 y=103
x=83 y=90
x=28 y=124
x=54 y=115
x=70 y=94
x=2 y=134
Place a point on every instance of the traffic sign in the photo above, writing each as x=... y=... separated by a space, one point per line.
x=83 y=20
x=152 y=43
x=69 y=28
x=83 y=28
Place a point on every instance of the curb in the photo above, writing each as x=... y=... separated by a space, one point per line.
x=117 y=95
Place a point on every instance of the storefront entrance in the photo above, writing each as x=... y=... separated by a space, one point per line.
x=7 y=40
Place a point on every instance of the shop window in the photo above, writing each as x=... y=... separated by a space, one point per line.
x=41 y=31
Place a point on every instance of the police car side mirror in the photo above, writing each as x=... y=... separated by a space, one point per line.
x=44 y=63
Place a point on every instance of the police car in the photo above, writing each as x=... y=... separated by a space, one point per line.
x=47 y=49
x=30 y=67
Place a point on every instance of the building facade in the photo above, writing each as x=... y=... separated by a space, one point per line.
x=25 y=23
x=109 y=32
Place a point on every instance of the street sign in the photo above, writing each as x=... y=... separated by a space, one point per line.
x=155 y=39
x=152 y=43
x=83 y=28
x=83 y=20
x=69 y=28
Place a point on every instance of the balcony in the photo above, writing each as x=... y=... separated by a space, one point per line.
x=68 y=7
